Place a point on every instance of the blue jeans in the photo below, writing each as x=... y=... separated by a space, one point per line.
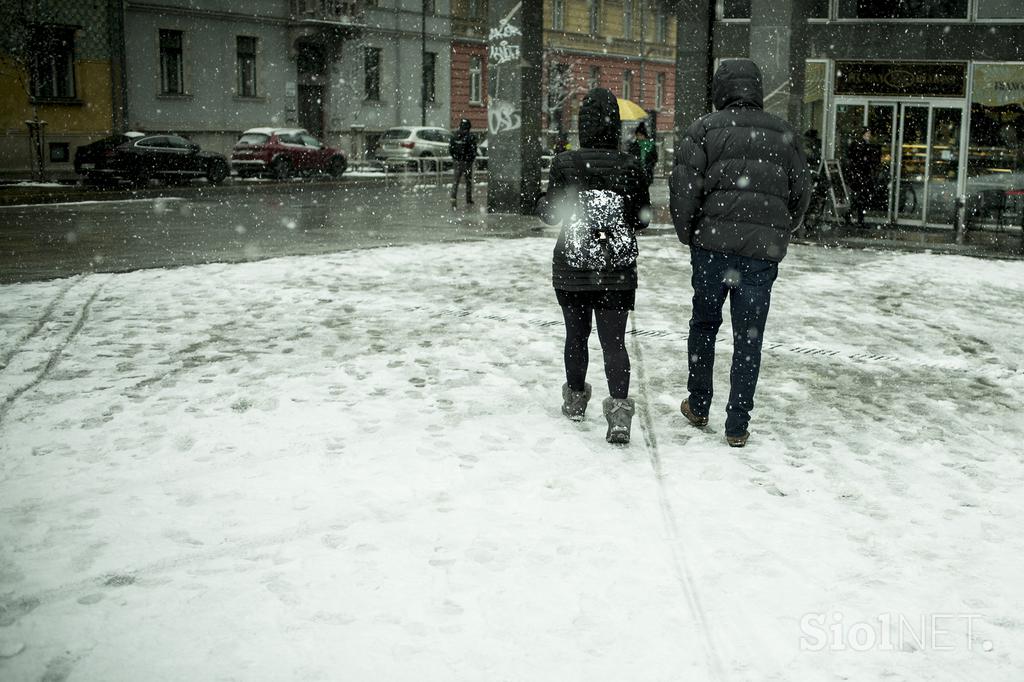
x=748 y=284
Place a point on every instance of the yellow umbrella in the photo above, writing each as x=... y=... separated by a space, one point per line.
x=630 y=111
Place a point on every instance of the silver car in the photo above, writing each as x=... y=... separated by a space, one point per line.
x=413 y=142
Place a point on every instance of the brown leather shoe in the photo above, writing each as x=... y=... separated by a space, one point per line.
x=738 y=441
x=699 y=422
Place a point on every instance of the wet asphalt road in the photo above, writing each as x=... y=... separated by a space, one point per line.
x=189 y=227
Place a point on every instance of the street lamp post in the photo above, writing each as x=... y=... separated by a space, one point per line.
x=423 y=64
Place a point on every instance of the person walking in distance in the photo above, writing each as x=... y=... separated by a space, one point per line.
x=642 y=147
x=462 y=149
x=740 y=186
x=599 y=196
x=863 y=159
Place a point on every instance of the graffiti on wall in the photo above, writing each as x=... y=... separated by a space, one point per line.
x=502 y=117
x=503 y=114
x=504 y=47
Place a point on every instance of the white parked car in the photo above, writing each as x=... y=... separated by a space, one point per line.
x=413 y=142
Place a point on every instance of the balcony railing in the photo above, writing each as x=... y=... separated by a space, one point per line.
x=341 y=12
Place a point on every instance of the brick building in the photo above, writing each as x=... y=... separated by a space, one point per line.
x=627 y=46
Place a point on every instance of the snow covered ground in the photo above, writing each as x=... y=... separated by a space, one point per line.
x=354 y=467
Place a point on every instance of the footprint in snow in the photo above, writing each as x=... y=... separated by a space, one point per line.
x=768 y=486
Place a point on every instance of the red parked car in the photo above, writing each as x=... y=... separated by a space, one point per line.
x=283 y=152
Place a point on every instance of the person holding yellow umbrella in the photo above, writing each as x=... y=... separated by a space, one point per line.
x=642 y=148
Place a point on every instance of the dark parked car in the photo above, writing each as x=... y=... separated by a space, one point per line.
x=138 y=157
x=283 y=152
x=94 y=160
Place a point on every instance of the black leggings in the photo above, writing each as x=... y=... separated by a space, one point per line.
x=611 y=330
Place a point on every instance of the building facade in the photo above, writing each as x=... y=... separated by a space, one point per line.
x=60 y=74
x=210 y=69
x=627 y=46
x=939 y=84
x=469 y=63
x=397 y=72
x=345 y=71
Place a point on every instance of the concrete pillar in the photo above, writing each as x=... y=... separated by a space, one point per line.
x=515 y=53
x=694 y=61
x=778 y=43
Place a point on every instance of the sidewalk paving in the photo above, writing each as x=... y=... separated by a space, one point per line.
x=354 y=467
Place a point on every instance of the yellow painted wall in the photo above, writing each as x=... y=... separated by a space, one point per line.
x=610 y=41
x=91 y=113
x=76 y=124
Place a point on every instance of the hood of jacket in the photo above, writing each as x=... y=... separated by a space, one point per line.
x=737 y=83
x=464 y=125
x=599 y=120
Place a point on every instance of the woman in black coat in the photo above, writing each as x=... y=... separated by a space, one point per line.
x=606 y=292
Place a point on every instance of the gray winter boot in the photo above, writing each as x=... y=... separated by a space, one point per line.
x=574 y=403
x=619 y=413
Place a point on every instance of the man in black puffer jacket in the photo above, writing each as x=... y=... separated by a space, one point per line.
x=607 y=293
x=740 y=186
x=462 y=149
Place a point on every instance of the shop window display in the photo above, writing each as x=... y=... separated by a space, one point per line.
x=995 y=162
x=814 y=109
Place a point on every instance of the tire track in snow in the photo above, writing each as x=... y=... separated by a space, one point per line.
x=668 y=516
x=83 y=314
x=20 y=342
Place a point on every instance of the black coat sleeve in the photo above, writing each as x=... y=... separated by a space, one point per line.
x=686 y=186
x=640 y=210
x=800 y=188
x=549 y=202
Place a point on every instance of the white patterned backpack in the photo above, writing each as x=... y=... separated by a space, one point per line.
x=596 y=235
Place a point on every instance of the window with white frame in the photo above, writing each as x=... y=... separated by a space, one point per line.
x=172 y=62
x=627 y=19
x=659 y=91
x=476 y=79
x=558 y=15
x=246 y=60
x=661 y=27
x=53 y=63
x=371 y=73
x=594 y=12
x=627 y=84
x=594 y=78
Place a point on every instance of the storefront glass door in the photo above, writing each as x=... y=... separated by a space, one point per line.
x=881 y=122
x=913 y=162
x=913 y=157
x=944 y=164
